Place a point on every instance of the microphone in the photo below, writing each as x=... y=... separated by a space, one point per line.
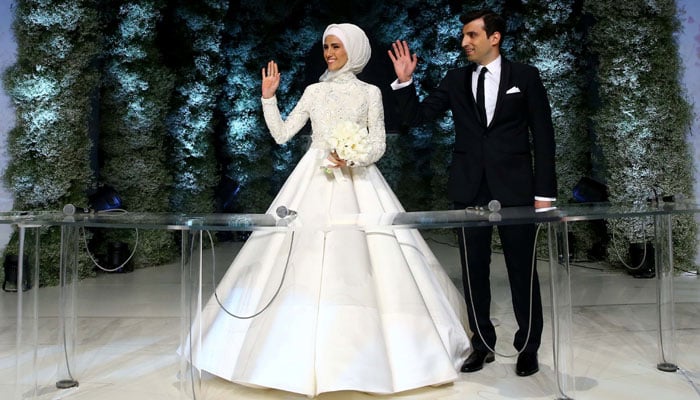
x=493 y=206
x=491 y=210
x=284 y=212
x=70 y=209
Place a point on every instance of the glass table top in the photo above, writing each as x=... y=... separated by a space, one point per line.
x=396 y=220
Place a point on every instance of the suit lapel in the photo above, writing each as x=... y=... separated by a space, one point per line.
x=502 y=88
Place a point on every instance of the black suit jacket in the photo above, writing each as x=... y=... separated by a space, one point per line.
x=503 y=152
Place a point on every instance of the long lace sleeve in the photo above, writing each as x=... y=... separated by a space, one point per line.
x=283 y=130
x=375 y=127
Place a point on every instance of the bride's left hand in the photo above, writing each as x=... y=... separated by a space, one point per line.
x=339 y=162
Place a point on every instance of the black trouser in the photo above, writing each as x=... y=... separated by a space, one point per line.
x=518 y=246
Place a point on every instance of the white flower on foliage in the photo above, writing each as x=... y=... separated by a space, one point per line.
x=129 y=51
x=58 y=46
x=138 y=21
x=36 y=88
x=350 y=141
x=65 y=16
x=41 y=118
x=39 y=190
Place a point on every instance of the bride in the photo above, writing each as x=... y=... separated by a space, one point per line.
x=369 y=311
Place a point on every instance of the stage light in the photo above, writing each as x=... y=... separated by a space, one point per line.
x=105 y=198
x=588 y=190
x=227 y=194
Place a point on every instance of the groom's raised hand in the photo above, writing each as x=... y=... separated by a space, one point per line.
x=404 y=62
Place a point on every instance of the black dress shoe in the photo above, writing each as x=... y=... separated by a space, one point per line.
x=527 y=364
x=476 y=360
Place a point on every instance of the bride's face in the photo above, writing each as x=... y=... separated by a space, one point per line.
x=334 y=53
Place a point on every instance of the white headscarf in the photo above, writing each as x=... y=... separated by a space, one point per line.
x=356 y=45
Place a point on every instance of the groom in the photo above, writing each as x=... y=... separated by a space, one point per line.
x=504 y=150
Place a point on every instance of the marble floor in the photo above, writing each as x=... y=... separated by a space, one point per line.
x=128 y=331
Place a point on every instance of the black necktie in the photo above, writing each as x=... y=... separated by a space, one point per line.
x=480 y=102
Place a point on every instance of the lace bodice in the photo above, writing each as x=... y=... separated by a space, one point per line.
x=345 y=98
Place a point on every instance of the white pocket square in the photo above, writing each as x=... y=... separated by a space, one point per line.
x=512 y=90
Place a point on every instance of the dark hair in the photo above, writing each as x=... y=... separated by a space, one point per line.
x=492 y=21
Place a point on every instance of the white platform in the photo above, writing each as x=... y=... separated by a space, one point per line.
x=129 y=330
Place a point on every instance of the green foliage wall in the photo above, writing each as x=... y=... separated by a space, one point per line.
x=549 y=35
x=434 y=36
x=641 y=119
x=255 y=36
x=52 y=87
x=191 y=119
x=134 y=146
x=161 y=100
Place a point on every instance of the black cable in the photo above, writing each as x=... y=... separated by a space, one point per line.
x=274 y=296
x=471 y=299
x=619 y=257
x=94 y=260
x=211 y=241
x=440 y=242
x=71 y=382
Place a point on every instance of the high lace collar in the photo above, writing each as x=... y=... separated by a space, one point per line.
x=344 y=75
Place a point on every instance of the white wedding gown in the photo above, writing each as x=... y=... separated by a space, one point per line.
x=370 y=311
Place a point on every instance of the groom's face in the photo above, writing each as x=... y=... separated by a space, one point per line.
x=479 y=47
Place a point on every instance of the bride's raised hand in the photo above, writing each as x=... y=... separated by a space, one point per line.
x=270 y=80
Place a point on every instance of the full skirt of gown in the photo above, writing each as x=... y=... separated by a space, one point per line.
x=365 y=310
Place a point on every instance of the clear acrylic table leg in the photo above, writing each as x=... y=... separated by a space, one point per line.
x=560 y=283
x=27 y=340
x=664 y=290
x=191 y=305
x=67 y=314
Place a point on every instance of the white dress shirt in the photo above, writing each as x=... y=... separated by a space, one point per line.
x=491 y=81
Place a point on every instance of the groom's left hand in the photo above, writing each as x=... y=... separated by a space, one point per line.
x=543 y=204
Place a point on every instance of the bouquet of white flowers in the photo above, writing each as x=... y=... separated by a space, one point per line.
x=350 y=141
